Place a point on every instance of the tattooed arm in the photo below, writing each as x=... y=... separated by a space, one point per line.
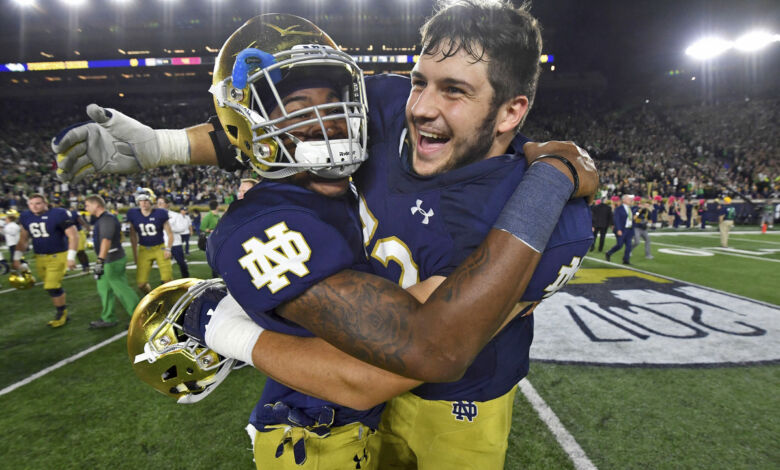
x=377 y=322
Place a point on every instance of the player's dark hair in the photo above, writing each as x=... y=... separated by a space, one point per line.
x=213 y=205
x=97 y=199
x=508 y=38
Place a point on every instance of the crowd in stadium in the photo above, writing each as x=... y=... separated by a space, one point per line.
x=694 y=151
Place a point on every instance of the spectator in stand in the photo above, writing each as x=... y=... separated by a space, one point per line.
x=623 y=229
x=602 y=219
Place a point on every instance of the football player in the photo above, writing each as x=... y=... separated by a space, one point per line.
x=439 y=245
x=147 y=225
x=82 y=227
x=54 y=241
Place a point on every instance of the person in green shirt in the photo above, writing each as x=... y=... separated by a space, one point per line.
x=209 y=221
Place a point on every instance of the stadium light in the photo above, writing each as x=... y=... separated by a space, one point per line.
x=74 y=3
x=755 y=40
x=708 y=48
x=25 y=3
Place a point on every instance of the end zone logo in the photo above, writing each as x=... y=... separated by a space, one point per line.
x=616 y=316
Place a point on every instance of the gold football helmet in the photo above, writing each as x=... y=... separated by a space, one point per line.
x=21 y=280
x=163 y=355
x=276 y=53
x=145 y=194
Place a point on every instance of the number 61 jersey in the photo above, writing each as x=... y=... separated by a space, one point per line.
x=416 y=227
x=47 y=230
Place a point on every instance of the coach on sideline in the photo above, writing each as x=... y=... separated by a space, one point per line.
x=110 y=266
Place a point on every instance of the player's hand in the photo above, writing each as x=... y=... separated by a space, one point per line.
x=71 y=265
x=99 y=269
x=583 y=163
x=167 y=254
x=110 y=143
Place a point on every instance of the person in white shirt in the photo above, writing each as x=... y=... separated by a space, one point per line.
x=12 y=231
x=185 y=236
x=178 y=227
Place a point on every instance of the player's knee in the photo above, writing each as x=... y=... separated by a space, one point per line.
x=55 y=292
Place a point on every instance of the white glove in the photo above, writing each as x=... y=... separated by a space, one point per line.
x=115 y=143
x=230 y=332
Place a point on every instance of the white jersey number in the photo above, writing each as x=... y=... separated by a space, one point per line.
x=147 y=230
x=389 y=248
x=38 y=230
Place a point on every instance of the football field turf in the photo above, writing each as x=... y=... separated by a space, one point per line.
x=672 y=364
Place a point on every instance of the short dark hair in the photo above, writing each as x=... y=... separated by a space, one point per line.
x=213 y=205
x=164 y=199
x=508 y=38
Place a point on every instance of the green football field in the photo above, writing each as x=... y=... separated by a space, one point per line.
x=672 y=364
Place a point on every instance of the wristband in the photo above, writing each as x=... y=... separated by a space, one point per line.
x=569 y=165
x=532 y=211
x=174 y=147
x=18 y=255
x=71 y=255
x=230 y=332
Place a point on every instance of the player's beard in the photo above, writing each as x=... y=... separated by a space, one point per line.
x=476 y=148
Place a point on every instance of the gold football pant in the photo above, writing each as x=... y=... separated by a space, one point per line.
x=433 y=435
x=148 y=255
x=346 y=447
x=51 y=269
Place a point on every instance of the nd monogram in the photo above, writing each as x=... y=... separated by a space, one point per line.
x=267 y=263
x=464 y=409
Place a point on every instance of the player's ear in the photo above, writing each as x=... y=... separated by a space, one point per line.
x=511 y=113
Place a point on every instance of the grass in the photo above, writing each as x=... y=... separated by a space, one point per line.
x=94 y=412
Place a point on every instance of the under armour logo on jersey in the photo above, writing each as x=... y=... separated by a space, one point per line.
x=267 y=263
x=564 y=276
x=464 y=409
x=358 y=459
x=426 y=214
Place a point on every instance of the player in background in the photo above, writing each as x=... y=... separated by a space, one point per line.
x=82 y=227
x=54 y=240
x=147 y=225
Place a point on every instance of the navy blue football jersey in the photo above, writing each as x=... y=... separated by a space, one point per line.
x=416 y=227
x=47 y=230
x=149 y=228
x=269 y=248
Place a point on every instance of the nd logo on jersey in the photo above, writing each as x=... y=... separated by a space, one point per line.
x=267 y=263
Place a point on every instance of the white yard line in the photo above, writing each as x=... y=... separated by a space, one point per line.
x=718 y=251
x=63 y=362
x=564 y=438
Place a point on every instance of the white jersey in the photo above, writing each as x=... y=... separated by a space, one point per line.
x=11 y=232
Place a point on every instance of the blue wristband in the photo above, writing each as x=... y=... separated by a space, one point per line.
x=532 y=211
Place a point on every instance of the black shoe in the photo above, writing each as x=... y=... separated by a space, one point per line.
x=93 y=325
x=626 y=263
x=607 y=256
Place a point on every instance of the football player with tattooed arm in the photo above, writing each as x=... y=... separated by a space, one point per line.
x=435 y=341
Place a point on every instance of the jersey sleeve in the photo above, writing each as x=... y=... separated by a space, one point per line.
x=275 y=257
x=66 y=219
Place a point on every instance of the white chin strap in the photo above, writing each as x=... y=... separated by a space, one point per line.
x=347 y=156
